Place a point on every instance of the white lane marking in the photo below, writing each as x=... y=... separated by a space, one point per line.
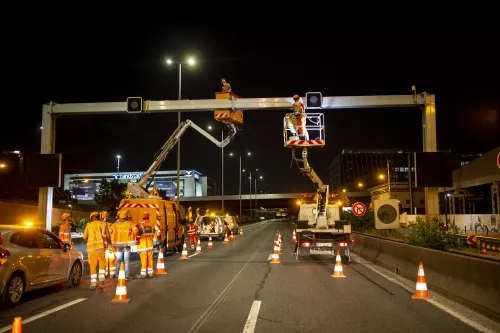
x=205 y=315
x=252 y=317
x=43 y=314
x=443 y=307
x=194 y=254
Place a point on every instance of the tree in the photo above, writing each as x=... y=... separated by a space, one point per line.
x=110 y=194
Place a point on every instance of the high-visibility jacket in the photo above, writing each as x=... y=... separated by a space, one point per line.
x=191 y=230
x=65 y=232
x=107 y=234
x=298 y=107
x=93 y=236
x=145 y=231
x=122 y=233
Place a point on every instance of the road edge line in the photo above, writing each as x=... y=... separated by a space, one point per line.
x=43 y=314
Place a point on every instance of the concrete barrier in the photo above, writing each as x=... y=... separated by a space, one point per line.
x=467 y=280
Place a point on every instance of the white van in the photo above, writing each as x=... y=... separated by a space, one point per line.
x=210 y=226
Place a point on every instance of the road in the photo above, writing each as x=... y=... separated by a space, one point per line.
x=235 y=288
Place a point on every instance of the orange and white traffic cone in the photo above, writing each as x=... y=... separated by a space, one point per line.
x=184 y=254
x=210 y=245
x=421 y=287
x=160 y=265
x=338 y=272
x=294 y=237
x=276 y=254
x=241 y=231
x=17 y=326
x=198 y=246
x=121 y=287
x=226 y=240
x=279 y=242
x=232 y=236
x=483 y=248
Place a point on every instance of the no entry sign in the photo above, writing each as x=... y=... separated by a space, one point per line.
x=359 y=209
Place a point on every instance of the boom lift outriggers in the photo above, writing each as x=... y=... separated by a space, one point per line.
x=319 y=228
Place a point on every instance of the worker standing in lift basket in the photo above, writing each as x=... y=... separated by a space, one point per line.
x=145 y=231
x=226 y=87
x=299 y=111
x=95 y=249
x=65 y=228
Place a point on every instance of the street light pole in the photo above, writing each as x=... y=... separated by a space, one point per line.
x=178 y=190
x=240 y=188
x=118 y=166
x=222 y=173
x=256 y=194
x=250 y=196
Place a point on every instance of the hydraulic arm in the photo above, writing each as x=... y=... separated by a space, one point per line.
x=138 y=189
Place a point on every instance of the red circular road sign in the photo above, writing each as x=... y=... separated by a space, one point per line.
x=359 y=209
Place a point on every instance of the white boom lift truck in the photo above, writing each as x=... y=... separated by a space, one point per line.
x=139 y=189
x=319 y=229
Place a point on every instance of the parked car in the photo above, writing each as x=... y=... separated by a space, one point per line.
x=33 y=258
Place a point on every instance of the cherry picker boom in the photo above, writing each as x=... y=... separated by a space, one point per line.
x=319 y=229
x=138 y=189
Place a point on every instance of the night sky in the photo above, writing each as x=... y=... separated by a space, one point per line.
x=95 y=64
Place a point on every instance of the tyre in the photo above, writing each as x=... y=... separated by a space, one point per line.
x=75 y=275
x=14 y=290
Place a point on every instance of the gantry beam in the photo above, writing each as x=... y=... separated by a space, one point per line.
x=333 y=102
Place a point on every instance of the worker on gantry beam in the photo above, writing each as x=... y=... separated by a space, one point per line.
x=299 y=112
x=226 y=87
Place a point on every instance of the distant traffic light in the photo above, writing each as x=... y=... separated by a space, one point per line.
x=314 y=100
x=134 y=104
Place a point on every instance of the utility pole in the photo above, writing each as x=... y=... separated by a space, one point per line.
x=222 y=174
x=410 y=185
x=388 y=179
x=178 y=190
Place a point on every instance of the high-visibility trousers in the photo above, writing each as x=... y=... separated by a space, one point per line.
x=110 y=258
x=146 y=263
x=97 y=258
x=192 y=240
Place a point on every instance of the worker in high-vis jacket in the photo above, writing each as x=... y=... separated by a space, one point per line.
x=92 y=236
x=110 y=255
x=123 y=239
x=144 y=230
x=191 y=231
x=299 y=111
x=65 y=228
x=226 y=87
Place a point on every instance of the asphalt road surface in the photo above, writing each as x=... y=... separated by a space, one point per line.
x=235 y=288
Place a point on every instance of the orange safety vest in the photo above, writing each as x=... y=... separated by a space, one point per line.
x=145 y=232
x=298 y=107
x=93 y=236
x=122 y=233
x=65 y=232
x=191 y=230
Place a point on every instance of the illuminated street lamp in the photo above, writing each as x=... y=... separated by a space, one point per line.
x=191 y=62
x=3 y=165
x=118 y=166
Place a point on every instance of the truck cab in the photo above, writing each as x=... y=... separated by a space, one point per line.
x=165 y=212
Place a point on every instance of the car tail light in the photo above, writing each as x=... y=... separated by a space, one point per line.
x=4 y=255
x=343 y=244
x=306 y=244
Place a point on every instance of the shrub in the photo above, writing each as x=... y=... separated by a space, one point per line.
x=427 y=232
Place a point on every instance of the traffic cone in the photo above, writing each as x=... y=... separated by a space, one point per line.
x=279 y=243
x=226 y=240
x=338 y=272
x=232 y=236
x=121 y=287
x=276 y=254
x=421 y=288
x=241 y=231
x=198 y=246
x=160 y=265
x=210 y=245
x=483 y=248
x=184 y=254
x=294 y=237
x=17 y=326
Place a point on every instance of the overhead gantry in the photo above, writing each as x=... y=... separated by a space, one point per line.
x=424 y=101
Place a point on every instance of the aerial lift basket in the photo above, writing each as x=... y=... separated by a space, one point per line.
x=228 y=116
